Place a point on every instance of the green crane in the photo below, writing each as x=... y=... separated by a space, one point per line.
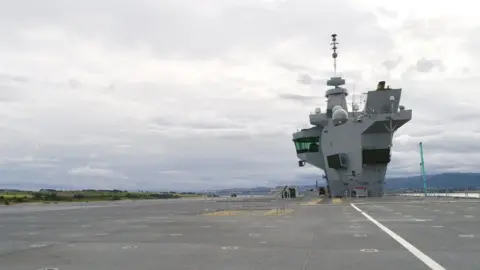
x=422 y=166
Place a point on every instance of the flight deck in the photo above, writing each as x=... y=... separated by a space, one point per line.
x=258 y=233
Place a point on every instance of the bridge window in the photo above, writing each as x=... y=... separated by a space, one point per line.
x=376 y=156
x=307 y=145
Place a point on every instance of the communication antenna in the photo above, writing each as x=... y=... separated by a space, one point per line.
x=353 y=103
x=391 y=127
x=354 y=106
x=334 y=54
x=363 y=99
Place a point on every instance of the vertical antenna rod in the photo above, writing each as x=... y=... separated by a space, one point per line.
x=334 y=54
x=422 y=166
x=353 y=103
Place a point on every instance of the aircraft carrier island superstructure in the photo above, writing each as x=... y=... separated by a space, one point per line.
x=353 y=148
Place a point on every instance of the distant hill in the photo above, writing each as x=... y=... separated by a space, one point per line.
x=244 y=191
x=458 y=181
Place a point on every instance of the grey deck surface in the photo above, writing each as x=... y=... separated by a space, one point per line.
x=175 y=234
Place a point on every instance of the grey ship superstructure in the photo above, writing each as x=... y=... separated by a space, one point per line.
x=352 y=148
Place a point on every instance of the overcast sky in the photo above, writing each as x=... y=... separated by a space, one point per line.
x=144 y=94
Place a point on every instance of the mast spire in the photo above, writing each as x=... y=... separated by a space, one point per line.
x=334 y=54
x=335 y=81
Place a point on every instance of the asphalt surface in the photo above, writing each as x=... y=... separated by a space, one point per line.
x=241 y=234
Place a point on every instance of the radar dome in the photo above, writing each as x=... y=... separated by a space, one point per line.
x=337 y=107
x=339 y=115
x=318 y=110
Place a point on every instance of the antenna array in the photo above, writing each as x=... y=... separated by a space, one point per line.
x=334 y=54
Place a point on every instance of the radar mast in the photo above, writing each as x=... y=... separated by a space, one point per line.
x=334 y=54
x=335 y=81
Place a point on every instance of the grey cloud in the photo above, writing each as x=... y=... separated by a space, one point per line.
x=29 y=163
x=75 y=84
x=188 y=27
x=439 y=162
x=10 y=90
x=454 y=143
x=409 y=73
x=196 y=122
x=27 y=166
x=217 y=121
x=96 y=172
x=352 y=75
x=13 y=78
x=425 y=131
x=27 y=160
x=388 y=12
x=391 y=64
x=305 y=79
x=424 y=65
x=465 y=117
x=300 y=98
x=432 y=28
x=294 y=67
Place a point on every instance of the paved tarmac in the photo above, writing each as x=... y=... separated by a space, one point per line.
x=242 y=234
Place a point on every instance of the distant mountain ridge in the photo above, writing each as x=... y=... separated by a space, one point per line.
x=458 y=181
x=438 y=181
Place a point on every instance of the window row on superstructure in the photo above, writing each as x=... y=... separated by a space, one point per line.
x=307 y=144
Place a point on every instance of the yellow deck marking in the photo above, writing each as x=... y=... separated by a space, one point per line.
x=223 y=213
x=312 y=202
x=337 y=201
x=234 y=213
x=278 y=212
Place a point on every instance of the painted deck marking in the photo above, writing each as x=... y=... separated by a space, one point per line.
x=415 y=251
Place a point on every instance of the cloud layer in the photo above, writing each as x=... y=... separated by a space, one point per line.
x=189 y=95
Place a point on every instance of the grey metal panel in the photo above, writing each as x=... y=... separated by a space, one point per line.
x=314 y=159
x=380 y=126
x=337 y=100
x=379 y=101
x=380 y=122
x=319 y=119
x=343 y=139
x=375 y=140
x=310 y=132
x=336 y=91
